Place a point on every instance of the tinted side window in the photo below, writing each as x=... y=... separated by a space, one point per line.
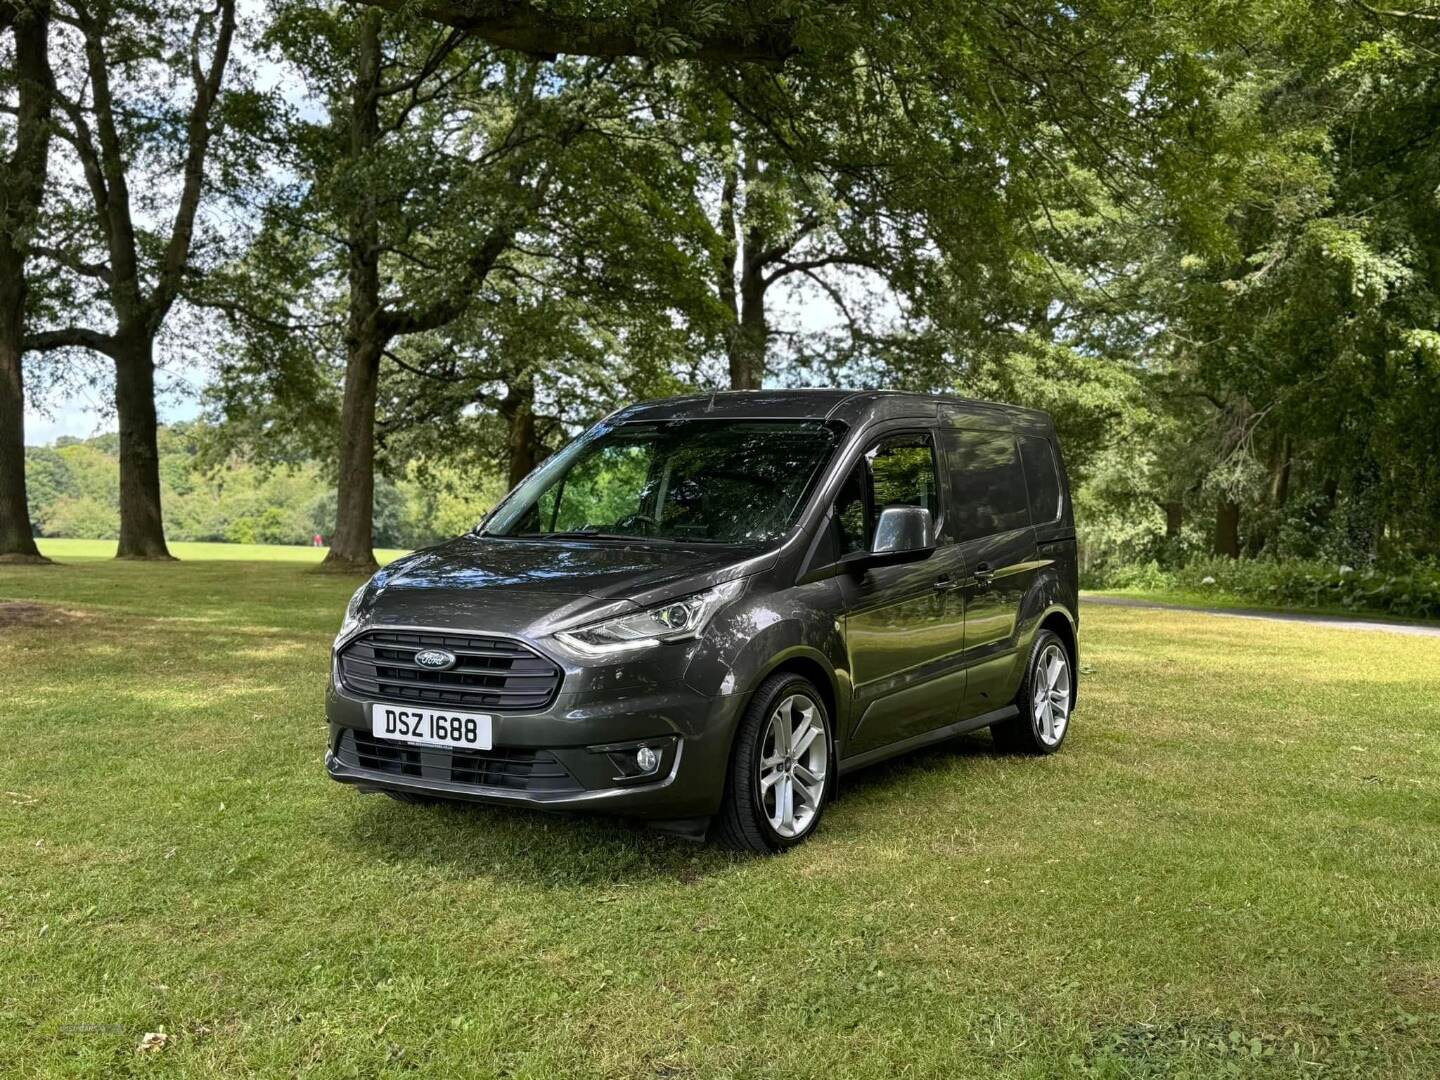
x=902 y=470
x=851 y=531
x=896 y=471
x=1042 y=478
x=988 y=483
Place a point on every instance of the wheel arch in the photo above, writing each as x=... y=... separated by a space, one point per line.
x=812 y=665
x=1059 y=622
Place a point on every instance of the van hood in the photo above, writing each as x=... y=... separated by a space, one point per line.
x=519 y=585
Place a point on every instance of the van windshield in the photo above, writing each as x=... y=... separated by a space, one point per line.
x=711 y=481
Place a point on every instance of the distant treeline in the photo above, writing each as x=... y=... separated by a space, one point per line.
x=74 y=492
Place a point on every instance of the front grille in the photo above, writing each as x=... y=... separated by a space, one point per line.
x=489 y=672
x=517 y=770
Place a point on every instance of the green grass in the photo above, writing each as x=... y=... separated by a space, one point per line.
x=68 y=550
x=1227 y=601
x=1231 y=870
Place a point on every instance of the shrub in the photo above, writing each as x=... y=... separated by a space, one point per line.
x=1409 y=592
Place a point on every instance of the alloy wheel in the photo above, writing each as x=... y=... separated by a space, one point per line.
x=1051 y=690
x=794 y=755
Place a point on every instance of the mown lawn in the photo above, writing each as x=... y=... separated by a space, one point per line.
x=1228 y=601
x=1232 y=870
x=66 y=550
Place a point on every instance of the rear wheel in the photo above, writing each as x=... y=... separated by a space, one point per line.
x=780 y=768
x=1045 y=700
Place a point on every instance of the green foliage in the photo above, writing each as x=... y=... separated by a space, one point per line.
x=1411 y=592
x=242 y=501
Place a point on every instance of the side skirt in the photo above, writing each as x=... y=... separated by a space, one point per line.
x=926 y=738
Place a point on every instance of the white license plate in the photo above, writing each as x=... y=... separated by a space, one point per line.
x=470 y=731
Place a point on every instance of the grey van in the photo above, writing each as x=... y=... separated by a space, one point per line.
x=704 y=610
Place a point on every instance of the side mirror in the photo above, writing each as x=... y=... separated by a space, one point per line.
x=903 y=534
x=903 y=530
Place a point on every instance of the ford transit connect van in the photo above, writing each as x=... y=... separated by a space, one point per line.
x=705 y=610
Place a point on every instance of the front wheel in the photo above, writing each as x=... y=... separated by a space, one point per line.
x=1045 y=700
x=780 y=768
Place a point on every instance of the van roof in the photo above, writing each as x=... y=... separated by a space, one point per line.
x=849 y=406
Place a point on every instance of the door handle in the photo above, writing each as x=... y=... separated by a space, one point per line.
x=984 y=576
x=946 y=583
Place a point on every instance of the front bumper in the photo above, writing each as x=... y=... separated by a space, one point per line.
x=575 y=742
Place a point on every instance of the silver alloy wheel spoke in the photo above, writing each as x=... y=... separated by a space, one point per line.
x=794 y=755
x=1052 y=694
x=785 y=806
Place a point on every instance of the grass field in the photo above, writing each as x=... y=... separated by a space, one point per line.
x=1231 y=870
x=66 y=550
x=1224 y=601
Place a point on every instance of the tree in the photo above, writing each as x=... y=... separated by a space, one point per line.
x=416 y=192
x=27 y=87
x=774 y=221
x=1310 y=333
x=126 y=132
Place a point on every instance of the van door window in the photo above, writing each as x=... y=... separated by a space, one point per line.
x=1042 y=478
x=988 y=484
x=896 y=471
x=902 y=472
x=852 y=531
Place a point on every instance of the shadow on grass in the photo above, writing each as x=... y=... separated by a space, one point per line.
x=880 y=784
x=584 y=851
x=551 y=850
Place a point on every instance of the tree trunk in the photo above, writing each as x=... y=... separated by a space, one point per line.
x=1174 y=519
x=1360 y=512
x=142 y=530
x=352 y=549
x=17 y=542
x=747 y=346
x=750 y=334
x=518 y=410
x=1227 y=528
x=1280 y=473
x=21 y=186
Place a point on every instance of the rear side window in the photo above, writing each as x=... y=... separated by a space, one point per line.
x=1042 y=477
x=988 y=483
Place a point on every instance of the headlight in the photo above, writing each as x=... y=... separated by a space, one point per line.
x=674 y=620
x=352 y=613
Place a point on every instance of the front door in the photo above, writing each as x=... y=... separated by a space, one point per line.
x=904 y=625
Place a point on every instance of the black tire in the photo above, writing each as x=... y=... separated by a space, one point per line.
x=743 y=822
x=1025 y=733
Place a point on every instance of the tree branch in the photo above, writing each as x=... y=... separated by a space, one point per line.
x=119 y=226
x=71 y=261
x=1426 y=16
x=528 y=28
x=207 y=90
x=70 y=337
x=804 y=267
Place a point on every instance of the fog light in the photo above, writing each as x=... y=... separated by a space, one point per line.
x=638 y=761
